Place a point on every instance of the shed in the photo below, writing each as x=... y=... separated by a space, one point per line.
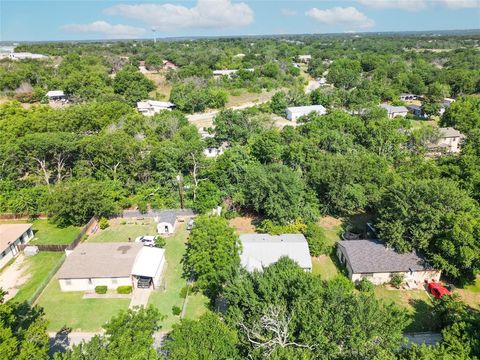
x=293 y=113
x=54 y=95
x=167 y=222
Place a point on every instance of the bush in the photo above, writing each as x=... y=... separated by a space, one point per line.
x=101 y=289
x=184 y=291
x=160 y=242
x=103 y=223
x=317 y=241
x=397 y=280
x=125 y=289
x=176 y=310
x=365 y=286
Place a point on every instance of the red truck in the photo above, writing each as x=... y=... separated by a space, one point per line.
x=437 y=289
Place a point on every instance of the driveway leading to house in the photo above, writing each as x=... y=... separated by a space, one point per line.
x=140 y=297
x=13 y=277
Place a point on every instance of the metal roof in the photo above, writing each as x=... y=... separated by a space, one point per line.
x=307 y=109
x=450 y=132
x=373 y=256
x=148 y=262
x=261 y=250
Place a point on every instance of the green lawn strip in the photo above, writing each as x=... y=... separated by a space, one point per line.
x=325 y=267
x=118 y=231
x=69 y=309
x=170 y=296
x=47 y=233
x=196 y=306
x=417 y=304
x=37 y=267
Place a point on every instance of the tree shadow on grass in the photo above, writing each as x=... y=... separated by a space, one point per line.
x=423 y=318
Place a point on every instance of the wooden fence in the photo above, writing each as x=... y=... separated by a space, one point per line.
x=63 y=247
x=12 y=216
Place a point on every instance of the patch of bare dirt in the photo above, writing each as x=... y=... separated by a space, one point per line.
x=14 y=276
x=329 y=222
x=243 y=225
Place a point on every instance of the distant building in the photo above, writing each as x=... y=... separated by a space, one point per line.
x=445 y=104
x=152 y=107
x=410 y=97
x=169 y=65
x=293 y=113
x=25 y=56
x=12 y=235
x=262 y=250
x=450 y=142
x=417 y=111
x=373 y=260
x=111 y=265
x=394 y=111
x=304 y=58
x=219 y=73
x=56 y=95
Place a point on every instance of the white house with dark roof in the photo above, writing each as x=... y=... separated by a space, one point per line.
x=295 y=112
x=450 y=141
x=111 y=265
x=262 y=250
x=167 y=222
x=55 y=95
x=373 y=260
x=12 y=235
x=394 y=111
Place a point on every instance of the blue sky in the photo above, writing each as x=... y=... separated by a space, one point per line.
x=97 y=19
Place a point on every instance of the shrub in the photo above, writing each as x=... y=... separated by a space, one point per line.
x=125 y=289
x=160 y=242
x=317 y=241
x=365 y=286
x=184 y=291
x=176 y=310
x=101 y=289
x=103 y=223
x=397 y=280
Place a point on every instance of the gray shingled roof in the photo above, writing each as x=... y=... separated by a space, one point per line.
x=94 y=260
x=391 y=109
x=372 y=256
x=448 y=132
x=168 y=217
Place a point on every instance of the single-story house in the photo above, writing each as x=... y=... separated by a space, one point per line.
x=394 y=111
x=12 y=235
x=152 y=107
x=262 y=250
x=445 y=104
x=219 y=73
x=54 y=95
x=373 y=260
x=294 y=112
x=417 y=111
x=111 y=265
x=304 y=58
x=167 y=64
x=167 y=221
x=450 y=141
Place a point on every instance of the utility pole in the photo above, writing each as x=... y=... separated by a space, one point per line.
x=180 y=189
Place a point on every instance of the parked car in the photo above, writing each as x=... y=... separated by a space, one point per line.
x=144 y=282
x=190 y=224
x=147 y=240
x=437 y=289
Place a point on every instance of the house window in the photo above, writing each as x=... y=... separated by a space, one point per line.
x=68 y=282
x=114 y=281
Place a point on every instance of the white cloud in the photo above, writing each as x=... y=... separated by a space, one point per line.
x=102 y=27
x=411 y=5
x=206 y=14
x=458 y=4
x=288 y=12
x=348 y=17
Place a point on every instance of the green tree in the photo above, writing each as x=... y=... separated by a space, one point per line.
x=207 y=338
x=132 y=84
x=463 y=114
x=344 y=73
x=212 y=253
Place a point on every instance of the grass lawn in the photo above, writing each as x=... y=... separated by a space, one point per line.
x=165 y=299
x=325 y=267
x=122 y=229
x=471 y=293
x=196 y=306
x=68 y=308
x=48 y=233
x=38 y=267
x=417 y=304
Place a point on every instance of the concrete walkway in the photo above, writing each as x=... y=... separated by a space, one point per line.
x=140 y=297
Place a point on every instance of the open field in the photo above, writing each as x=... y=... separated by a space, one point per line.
x=165 y=298
x=69 y=309
x=120 y=230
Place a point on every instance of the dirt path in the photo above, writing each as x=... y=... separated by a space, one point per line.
x=14 y=276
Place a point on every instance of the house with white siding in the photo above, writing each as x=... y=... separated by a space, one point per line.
x=12 y=235
x=295 y=112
